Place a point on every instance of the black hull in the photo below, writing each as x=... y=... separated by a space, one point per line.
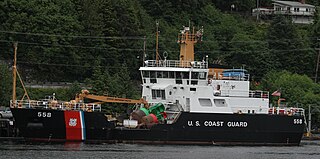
x=190 y=128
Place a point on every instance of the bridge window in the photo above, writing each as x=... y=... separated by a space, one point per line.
x=198 y=75
x=146 y=74
x=194 y=75
x=185 y=75
x=171 y=74
x=165 y=74
x=202 y=75
x=178 y=75
x=152 y=74
x=159 y=74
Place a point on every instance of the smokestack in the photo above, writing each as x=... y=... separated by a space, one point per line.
x=303 y=1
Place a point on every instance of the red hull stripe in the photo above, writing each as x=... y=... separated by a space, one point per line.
x=75 y=126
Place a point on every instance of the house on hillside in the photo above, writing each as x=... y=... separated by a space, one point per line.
x=299 y=11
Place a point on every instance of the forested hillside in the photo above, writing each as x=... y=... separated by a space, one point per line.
x=100 y=42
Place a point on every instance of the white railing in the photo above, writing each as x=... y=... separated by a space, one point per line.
x=219 y=76
x=175 y=63
x=244 y=77
x=259 y=94
x=289 y=111
x=286 y=111
x=57 y=105
x=235 y=93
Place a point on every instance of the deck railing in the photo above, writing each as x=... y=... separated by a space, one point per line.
x=57 y=105
x=235 y=93
x=176 y=63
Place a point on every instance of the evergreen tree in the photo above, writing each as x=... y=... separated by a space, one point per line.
x=286 y=46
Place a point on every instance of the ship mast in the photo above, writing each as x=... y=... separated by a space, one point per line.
x=14 y=84
x=14 y=72
x=186 y=39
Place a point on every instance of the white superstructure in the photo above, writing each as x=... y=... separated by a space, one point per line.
x=185 y=86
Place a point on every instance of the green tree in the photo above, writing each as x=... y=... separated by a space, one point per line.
x=287 y=48
x=296 y=89
x=251 y=53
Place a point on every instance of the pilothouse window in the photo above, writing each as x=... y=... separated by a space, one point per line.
x=202 y=75
x=171 y=74
x=165 y=74
x=185 y=75
x=146 y=74
x=152 y=74
x=159 y=74
x=178 y=75
x=194 y=75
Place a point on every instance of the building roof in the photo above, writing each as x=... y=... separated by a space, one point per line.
x=293 y=3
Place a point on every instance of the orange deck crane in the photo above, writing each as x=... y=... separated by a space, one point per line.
x=106 y=99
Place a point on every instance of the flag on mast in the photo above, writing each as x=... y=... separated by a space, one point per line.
x=276 y=93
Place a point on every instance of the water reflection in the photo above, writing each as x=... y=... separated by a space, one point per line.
x=308 y=149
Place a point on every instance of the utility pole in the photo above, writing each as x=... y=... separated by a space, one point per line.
x=317 y=67
x=309 y=122
x=14 y=72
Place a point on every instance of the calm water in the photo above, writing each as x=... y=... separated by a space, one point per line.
x=307 y=150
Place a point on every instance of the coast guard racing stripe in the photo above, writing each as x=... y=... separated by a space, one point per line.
x=75 y=125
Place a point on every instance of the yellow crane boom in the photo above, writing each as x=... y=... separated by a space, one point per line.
x=107 y=99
